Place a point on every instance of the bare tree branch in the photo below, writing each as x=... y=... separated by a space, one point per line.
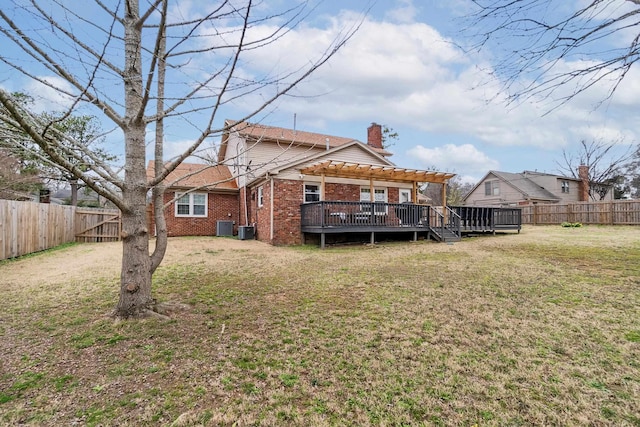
x=546 y=51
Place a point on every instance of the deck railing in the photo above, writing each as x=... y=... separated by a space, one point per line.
x=445 y=227
x=337 y=216
x=477 y=218
x=364 y=214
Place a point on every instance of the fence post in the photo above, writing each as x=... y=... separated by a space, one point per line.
x=570 y=214
x=612 y=212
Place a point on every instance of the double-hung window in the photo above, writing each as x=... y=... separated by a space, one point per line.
x=565 y=186
x=492 y=188
x=191 y=204
x=404 y=195
x=311 y=193
x=260 y=196
x=379 y=195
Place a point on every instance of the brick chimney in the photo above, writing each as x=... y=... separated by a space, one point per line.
x=583 y=176
x=374 y=135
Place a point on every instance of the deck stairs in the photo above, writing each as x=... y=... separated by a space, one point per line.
x=446 y=229
x=446 y=235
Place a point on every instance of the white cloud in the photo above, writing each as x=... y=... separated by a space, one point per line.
x=51 y=96
x=405 y=74
x=404 y=13
x=410 y=75
x=454 y=158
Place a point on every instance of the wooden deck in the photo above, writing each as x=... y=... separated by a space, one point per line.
x=337 y=217
x=488 y=219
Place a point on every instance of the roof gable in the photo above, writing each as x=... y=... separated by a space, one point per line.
x=259 y=132
x=519 y=182
x=334 y=154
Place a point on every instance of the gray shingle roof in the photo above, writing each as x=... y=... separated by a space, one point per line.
x=520 y=182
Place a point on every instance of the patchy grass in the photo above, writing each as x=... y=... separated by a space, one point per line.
x=541 y=328
x=45 y=252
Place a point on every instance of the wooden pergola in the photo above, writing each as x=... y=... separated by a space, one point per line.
x=333 y=168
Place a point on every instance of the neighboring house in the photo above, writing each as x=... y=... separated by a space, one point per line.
x=517 y=189
x=198 y=196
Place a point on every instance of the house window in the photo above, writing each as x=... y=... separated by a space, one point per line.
x=565 y=186
x=260 y=196
x=405 y=196
x=380 y=195
x=311 y=193
x=492 y=188
x=191 y=204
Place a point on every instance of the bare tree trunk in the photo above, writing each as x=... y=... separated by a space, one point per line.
x=158 y=190
x=135 y=280
x=74 y=192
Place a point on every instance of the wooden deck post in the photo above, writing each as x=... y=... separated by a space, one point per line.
x=372 y=196
x=322 y=186
x=444 y=201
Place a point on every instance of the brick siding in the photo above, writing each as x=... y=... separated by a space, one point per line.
x=219 y=206
x=288 y=198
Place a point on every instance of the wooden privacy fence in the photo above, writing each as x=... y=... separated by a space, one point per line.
x=617 y=212
x=27 y=227
x=97 y=225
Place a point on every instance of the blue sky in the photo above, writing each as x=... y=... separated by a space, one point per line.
x=402 y=70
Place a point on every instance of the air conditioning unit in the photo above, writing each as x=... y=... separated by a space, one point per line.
x=224 y=228
x=245 y=232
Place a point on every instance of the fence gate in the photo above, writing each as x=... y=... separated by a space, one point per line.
x=98 y=225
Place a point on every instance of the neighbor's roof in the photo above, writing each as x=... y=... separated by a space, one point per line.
x=193 y=175
x=259 y=132
x=527 y=187
x=379 y=172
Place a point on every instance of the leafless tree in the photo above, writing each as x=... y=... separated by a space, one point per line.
x=15 y=181
x=606 y=163
x=555 y=50
x=144 y=67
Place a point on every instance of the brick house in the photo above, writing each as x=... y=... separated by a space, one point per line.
x=283 y=172
x=197 y=197
x=519 y=189
x=293 y=186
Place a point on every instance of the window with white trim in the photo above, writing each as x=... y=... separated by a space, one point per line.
x=565 y=186
x=492 y=188
x=379 y=195
x=311 y=193
x=260 y=196
x=405 y=196
x=191 y=204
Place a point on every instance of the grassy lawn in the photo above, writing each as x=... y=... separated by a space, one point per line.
x=541 y=328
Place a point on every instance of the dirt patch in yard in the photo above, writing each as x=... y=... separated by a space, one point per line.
x=103 y=260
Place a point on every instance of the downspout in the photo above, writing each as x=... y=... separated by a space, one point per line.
x=271 y=207
x=246 y=209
